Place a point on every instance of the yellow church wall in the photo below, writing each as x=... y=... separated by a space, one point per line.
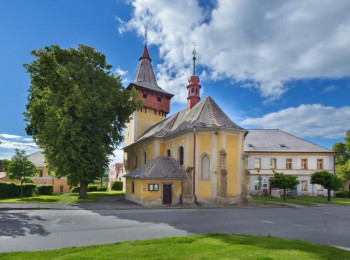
x=232 y=165
x=176 y=188
x=129 y=132
x=204 y=144
x=204 y=189
x=149 y=152
x=179 y=142
x=138 y=187
x=147 y=118
x=190 y=151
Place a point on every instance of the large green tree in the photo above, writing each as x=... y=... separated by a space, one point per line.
x=342 y=159
x=284 y=181
x=20 y=167
x=76 y=111
x=327 y=180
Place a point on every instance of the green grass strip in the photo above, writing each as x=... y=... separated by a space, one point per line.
x=213 y=246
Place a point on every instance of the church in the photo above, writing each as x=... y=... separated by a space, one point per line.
x=198 y=155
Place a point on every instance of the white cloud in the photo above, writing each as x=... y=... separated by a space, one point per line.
x=17 y=145
x=121 y=72
x=266 y=42
x=313 y=121
x=118 y=156
x=329 y=89
x=8 y=136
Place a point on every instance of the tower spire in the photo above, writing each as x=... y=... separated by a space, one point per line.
x=194 y=58
x=146 y=35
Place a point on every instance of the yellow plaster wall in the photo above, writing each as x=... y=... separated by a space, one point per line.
x=176 y=188
x=204 y=189
x=189 y=151
x=232 y=165
x=129 y=132
x=149 y=152
x=146 y=120
x=204 y=143
x=138 y=187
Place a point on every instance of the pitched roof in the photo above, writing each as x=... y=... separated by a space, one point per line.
x=274 y=140
x=37 y=158
x=162 y=167
x=144 y=76
x=205 y=114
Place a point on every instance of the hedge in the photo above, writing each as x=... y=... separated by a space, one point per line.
x=103 y=188
x=12 y=190
x=90 y=188
x=44 y=189
x=93 y=187
x=117 y=185
x=28 y=180
x=342 y=194
x=75 y=189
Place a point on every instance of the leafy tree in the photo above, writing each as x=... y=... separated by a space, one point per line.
x=76 y=111
x=327 y=180
x=284 y=181
x=342 y=159
x=20 y=167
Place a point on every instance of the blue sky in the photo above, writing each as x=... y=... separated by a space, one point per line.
x=276 y=64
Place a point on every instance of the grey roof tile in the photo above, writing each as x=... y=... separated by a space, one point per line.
x=162 y=167
x=274 y=140
x=205 y=114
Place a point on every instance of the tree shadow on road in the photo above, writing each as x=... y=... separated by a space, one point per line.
x=20 y=224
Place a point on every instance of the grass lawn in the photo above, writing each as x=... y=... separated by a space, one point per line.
x=339 y=201
x=214 y=246
x=65 y=197
x=280 y=200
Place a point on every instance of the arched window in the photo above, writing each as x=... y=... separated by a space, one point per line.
x=168 y=153
x=205 y=167
x=144 y=157
x=181 y=155
x=135 y=165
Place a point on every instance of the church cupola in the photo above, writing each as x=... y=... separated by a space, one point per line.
x=193 y=87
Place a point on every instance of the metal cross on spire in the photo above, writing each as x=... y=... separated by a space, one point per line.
x=146 y=35
x=194 y=58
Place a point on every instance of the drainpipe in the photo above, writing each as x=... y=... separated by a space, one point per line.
x=182 y=183
x=194 y=164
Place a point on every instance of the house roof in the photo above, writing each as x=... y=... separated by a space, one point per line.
x=144 y=76
x=162 y=167
x=274 y=140
x=118 y=166
x=37 y=158
x=205 y=114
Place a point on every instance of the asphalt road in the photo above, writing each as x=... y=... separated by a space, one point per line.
x=22 y=230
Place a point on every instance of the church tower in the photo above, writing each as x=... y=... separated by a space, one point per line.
x=156 y=100
x=193 y=87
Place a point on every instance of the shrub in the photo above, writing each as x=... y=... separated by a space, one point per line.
x=12 y=190
x=92 y=188
x=103 y=188
x=28 y=180
x=75 y=189
x=44 y=189
x=117 y=185
x=342 y=194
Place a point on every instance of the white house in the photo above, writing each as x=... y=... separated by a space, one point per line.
x=271 y=150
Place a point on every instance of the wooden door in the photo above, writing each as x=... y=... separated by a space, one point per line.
x=167 y=194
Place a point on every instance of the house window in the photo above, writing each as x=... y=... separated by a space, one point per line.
x=144 y=157
x=289 y=163
x=303 y=185
x=319 y=187
x=144 y=95
x=319 y=164
x=41 y=174
x=304 y=164
x=273 y=163
x=159 y=98
x=153 y=187
x=181 y=155
x=205 y=167
x=133 y=187
x=168 y=153
x=257 y=163
x=256 y=185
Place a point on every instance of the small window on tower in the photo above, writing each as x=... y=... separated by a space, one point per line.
x=159 y=98
x=144 y=95
x=192 y=90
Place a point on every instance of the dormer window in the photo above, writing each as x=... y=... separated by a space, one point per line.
x=250 y=145
x=283 y=145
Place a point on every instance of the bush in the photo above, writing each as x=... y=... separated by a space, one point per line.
x=342 y=194
x=28 y=180
x=92 y=188
x=103 y=188
x=75 y=189
x=12 y=190
x=117 y=185
x=44 y=189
